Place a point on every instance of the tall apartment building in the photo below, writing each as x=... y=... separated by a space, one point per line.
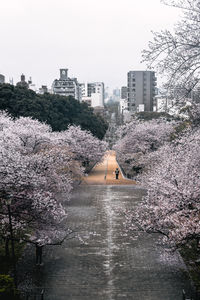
x=141 y=90
x=66 y=86
x=93 y=93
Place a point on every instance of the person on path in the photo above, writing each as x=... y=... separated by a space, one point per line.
x=117 y=173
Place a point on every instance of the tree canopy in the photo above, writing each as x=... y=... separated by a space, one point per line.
x=37 y=172
x=175 y=54
x=57 y=111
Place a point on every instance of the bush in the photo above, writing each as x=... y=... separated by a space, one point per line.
x=7 y=288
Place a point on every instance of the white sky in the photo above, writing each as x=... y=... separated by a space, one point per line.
x=96 y=40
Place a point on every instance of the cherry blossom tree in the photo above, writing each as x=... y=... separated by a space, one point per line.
x=171 y=159
x=169 y=153
x=192 y=111
x=176 y=54
x=138 y=139
x=171 y=206
x=83 y=144
x=37 y=173
x=33 y=181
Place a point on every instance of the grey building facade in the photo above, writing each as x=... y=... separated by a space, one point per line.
x=141 y=90
x=66 y=86
x=2 y=78
x=124 y=92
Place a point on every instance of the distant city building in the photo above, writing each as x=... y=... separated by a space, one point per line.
x=43 y=90
x=141 y=90
x=124 y=92
x=11 y=81
x=30 y=81
x=116 y=92
x=66 y=86
x=23 y=82
x=116 y=95
x=93 y=93
x=123 y=104
x=87 y=100
x=31 y=85
x=2 y=78
x=162 y=104
x=106 y=94
x=97 y=100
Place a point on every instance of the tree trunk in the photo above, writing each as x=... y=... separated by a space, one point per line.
x=7 y=252
x=197 y=243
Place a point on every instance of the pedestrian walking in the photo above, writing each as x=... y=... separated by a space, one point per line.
x=116 y=173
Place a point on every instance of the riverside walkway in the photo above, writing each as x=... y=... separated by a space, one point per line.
x=105 y=264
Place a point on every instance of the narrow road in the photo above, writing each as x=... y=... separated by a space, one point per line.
x=105 y=263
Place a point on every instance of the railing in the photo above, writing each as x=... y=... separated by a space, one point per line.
x=124 y=174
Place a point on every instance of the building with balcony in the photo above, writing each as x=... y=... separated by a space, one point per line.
x=141 y=90
x=93 y=93
x=66 y=86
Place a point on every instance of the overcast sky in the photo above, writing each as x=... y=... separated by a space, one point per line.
x=96 y=40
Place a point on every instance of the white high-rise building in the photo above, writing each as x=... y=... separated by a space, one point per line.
x=66 y=86
x=123 y=104
x=141 y=90
x=93 y=93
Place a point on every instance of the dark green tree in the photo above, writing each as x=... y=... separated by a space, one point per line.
x=57 y=111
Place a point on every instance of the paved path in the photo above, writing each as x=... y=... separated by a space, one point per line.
x=104 y=173
x=108 y=265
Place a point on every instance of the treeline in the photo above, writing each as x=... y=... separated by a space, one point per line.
x=165 y=157
x=57 y=111
x=38 y=170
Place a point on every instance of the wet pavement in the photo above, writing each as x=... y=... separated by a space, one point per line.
x=108 y=265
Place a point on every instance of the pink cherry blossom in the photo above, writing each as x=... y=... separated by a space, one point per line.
x=37 y=172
